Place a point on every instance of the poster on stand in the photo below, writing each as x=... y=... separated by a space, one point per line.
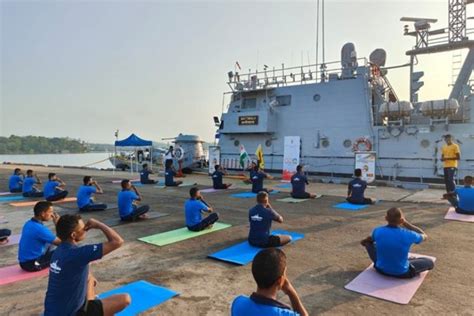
x=214 y=158
x=291 y=156
x=365 y=161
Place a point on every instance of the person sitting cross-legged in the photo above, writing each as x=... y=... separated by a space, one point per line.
x=298 y=185
x=36 y=241
x=257 y=175
x=269 y=270
x=170 y=173
x=85 y=199
x=127 y=203
x=71 y=286
x=217 y=178
x=389 y=247
x=54 y=188
x=260 y=218
x=29 y=185
x=15 y=182
x=194 y=207
x=145 y=175
x=463 y=198
x=356 y=189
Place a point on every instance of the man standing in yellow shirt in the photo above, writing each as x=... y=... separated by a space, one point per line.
x=450 y=154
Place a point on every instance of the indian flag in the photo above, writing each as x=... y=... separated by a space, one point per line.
x=259 y=154
x=243 y=156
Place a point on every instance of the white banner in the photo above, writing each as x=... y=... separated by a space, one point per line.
x=214 y=157
x=365 y=161
x=291 y=156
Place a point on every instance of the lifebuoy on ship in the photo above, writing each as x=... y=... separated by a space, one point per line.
x=362 y=141
x=179 y=153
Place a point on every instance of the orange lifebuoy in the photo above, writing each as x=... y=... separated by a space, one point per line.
x=362 y=140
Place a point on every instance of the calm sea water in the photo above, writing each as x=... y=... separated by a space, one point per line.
x=92 y=160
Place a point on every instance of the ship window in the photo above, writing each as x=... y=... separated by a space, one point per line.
x=347 y=143
x=316 y=97
x=236 y=143
x=325 y=143
x=268 y=142
x=283 y=100
x=425 y=143
x=250 y=103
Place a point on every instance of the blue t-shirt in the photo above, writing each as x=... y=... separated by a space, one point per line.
x=35 y=237
x=84 y=195
x=49 y=188
x=260 y=219
x=357 y=187
x=15 y=182
x=298 y=183
x=217 y=179
x=466 y=198
x=169 y=174
x=28 y=184
x=392 y=245
x=125 y=202
x=144 y=175
x=257 y=181
x=192 y=210
x=257 y=305
x=68 y=273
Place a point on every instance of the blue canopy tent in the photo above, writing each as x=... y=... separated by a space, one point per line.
x=136 y=142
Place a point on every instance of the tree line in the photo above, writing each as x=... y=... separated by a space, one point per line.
x=40 y=145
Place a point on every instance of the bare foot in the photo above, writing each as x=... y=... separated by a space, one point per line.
x=143 y=216
x=4 y=241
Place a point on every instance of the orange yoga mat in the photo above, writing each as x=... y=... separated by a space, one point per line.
x=32 y=203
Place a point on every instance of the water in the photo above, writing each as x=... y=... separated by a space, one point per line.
x=92 y=160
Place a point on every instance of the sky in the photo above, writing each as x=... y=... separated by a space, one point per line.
x=83 y=69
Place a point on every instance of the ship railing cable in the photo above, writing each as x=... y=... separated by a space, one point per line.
x=94 y=163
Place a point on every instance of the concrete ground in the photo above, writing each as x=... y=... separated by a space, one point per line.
x=319 y=265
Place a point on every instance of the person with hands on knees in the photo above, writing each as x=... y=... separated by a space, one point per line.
x=270 y=273
x=71 y=286
x=36 y=242
x=85 y=199
x=127 y=203
x=193 y=209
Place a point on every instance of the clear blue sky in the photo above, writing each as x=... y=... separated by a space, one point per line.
x=85 y=68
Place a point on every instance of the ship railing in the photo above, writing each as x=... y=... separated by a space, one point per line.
x=438 y=39
x=271 y=78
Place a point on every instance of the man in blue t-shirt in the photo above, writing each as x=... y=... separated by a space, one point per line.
x=257 y=176
x=193 y=209
x=71 y=287
x=298 y=185
x=270 y=273
x=15 y=182
x=35 y=249
x=54 y=188
x=85 y=199
x=170 y=173
x=145 y=175
x=29 y=185
x=260 y=218
x=463 y=198
x=217 y=176
x=389 y=246
x=356 y=189
x=127 y=203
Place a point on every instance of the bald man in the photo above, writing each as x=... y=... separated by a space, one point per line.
x=389 y=246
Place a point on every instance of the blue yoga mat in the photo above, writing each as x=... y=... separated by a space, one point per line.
x=11 y=198
x=244 y=253
x=246 y=195
x=144 y=296
x=284 y=186
x=350 y=207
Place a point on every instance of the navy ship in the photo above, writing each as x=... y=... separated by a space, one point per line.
x=341 y=108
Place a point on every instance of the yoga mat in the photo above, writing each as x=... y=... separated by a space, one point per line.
x=14 y=273
x=117 y=221
x=244 y=253
x=144 y=296
x=349 y=206
x=212 y=190
x=12 y=240
x=170 y=237
x=293 y=200
x=284 y=186
x=374 y=284
x=8 y=193
x=11 y=198
x=32 y=203
x=453 y=216
x=120 y=181
x=187 y=184
x=246 y=195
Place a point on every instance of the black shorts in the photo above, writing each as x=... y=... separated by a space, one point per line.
x=91 y=308
x=304 y=195
x=273 y=241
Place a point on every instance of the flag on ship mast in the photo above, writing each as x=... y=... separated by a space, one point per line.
x=238 y=65
x=243 y=156
x=259 y=154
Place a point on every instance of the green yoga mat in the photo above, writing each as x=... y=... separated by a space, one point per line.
x=293 y=200
x=166 y=238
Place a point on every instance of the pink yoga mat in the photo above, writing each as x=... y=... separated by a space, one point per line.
x=6 y=193
x=452 y=215
x=400 y=291
x=14 y=273
x=12 y=240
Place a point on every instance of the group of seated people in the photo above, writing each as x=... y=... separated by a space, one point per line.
x=53 y=189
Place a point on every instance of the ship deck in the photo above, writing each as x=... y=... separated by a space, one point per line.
x=319 y=265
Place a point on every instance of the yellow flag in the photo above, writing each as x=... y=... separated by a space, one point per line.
x=259 y=154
